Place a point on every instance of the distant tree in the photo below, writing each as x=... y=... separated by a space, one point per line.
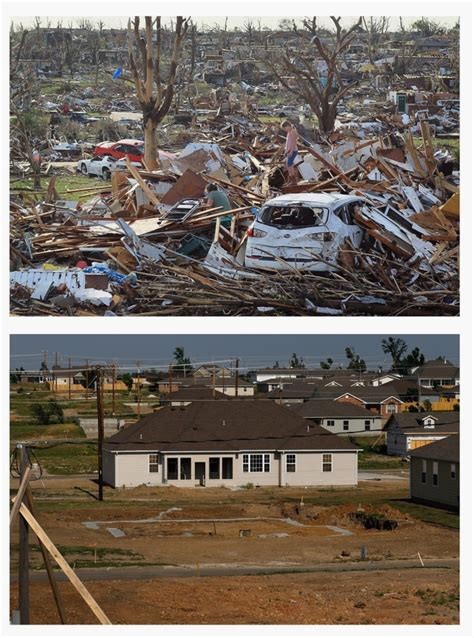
x=413 y=408
x=395 y=347
x=428 y=28
x=410 y=394
x=326 y=365
x=276 y=365
x=182 y=363
x=128 y=380
x=413 y=360
x=296 y=362
x=456 y=407
x=355 y=361
x=249 y=30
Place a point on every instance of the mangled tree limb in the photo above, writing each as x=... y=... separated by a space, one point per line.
x=154 y=95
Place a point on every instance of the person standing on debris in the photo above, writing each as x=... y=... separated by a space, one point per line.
x=217 y=198
x=291 y=149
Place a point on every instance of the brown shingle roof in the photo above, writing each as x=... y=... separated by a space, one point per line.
x=225 y=425
x=446 y=449
x=409 y=422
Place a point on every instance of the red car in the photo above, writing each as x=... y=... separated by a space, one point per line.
x=133 y=149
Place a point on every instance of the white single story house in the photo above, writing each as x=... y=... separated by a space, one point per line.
x=230 y=443
x=408 y=431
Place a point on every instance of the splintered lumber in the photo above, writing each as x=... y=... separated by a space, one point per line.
x=146 y=189
x=60 y=560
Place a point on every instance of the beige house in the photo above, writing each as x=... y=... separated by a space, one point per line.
x=230 y=443
x=434 y=473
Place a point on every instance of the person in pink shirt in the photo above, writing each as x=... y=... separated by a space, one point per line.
x=291 y=149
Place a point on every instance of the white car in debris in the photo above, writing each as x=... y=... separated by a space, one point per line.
x=102 y=166
x=302 y=231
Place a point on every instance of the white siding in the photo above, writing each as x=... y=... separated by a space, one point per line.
x=356 y=425
x=132 y=469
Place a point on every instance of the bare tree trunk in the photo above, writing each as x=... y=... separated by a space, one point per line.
x=151 y=147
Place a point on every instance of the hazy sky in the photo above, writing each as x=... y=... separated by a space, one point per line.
x=270 y=21
x=253 y=350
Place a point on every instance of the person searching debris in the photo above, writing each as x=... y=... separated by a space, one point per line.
x=217 y=198
x=291 y=149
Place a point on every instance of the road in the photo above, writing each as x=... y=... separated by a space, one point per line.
x=171 y=571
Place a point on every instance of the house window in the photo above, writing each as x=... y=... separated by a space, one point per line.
x=153 y=463
x=453 y=471
x=345 y=425
x=227 y=468
x=185 y=469
x=423 y=471
x=256 y=462
x=391 y=408
x=214 y=468
x=172 y=469
x=330 y=422
x=291 y=462
x=367 y=425
x=327 y=462
x=435 y=473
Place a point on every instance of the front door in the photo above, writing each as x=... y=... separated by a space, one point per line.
x=200 y=472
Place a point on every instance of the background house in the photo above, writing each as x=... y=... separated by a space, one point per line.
x=228 y=443
x=410 y=430
x=340 y=418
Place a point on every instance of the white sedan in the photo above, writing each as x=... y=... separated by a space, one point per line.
x=303 y=231
x=102 y=166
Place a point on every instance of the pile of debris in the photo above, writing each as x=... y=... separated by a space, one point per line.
x=148 y=244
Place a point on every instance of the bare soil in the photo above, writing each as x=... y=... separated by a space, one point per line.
x=395 y=597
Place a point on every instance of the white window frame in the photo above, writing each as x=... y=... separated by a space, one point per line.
x=435 y=472
x=326 y=462
x=424 y=471
x=153 y=463
x=287 y=462
x=391 y=408
x=265 y=459
x=330 y=423
x=367 y=425
x=452 y=471
x=346 y=425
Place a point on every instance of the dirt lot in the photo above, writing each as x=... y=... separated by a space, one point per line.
x=343 y=598
x=284 y=528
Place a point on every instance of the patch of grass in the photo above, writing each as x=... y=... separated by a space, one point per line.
x=439 y=598
x=31 y=431
x=428 y=514
x=69 y=459
x=64 y=184
x=373 y=461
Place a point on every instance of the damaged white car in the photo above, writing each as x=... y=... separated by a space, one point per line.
x=303 y=231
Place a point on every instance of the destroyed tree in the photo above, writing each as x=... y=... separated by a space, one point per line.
x=396 y=348
x=375 y=29
x=355 y=361
x=153 y=93
x=24 y=123
x=317 y=79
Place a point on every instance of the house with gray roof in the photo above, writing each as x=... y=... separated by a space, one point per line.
x=408 y=431
x=229 y=443
x=345 y=419
x=434 y=473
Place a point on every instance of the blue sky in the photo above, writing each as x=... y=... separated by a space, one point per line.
x=253 y=350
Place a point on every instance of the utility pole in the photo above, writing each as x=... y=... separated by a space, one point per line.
x=69 y=384
x=138 y=388
x=170 y=374
x=23 y=561
x=213 y=381
x=237 y=361
x=100 y=430
x=45 y=364
x=113 y=387
x=223 y=381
